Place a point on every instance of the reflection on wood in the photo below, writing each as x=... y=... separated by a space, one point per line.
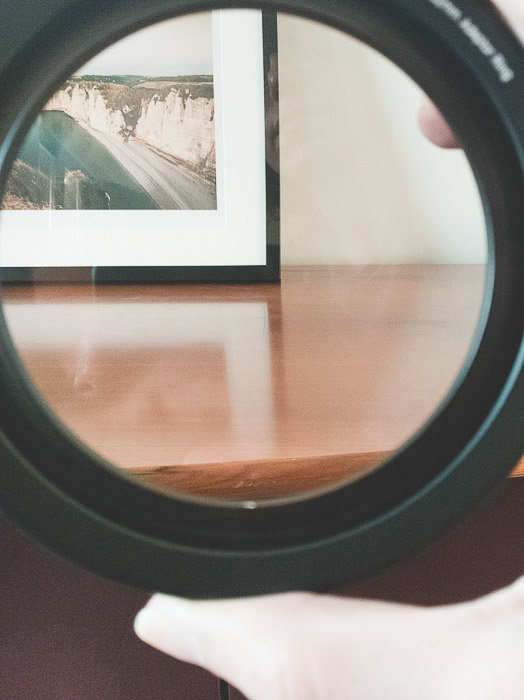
x=254 y=480
x=138 y=405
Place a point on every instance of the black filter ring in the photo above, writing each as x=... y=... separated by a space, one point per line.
x=85 y=509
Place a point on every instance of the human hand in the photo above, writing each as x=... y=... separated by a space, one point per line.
x=433 y=125
x=300 y=646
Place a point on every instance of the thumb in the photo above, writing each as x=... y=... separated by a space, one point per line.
x=301 y=645
x=252 y=643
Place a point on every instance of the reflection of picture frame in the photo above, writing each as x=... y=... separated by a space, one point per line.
x=233 y=238
x=234 y=331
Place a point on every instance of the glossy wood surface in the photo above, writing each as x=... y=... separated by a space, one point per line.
x=250 y=391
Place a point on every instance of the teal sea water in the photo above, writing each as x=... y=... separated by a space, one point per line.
x=56 y=144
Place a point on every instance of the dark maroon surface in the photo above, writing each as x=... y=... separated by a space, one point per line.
x=483 y=553
x=66 y=634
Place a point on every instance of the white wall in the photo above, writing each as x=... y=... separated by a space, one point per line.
x=360 y=183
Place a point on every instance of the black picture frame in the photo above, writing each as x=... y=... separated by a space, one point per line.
x=189 y=274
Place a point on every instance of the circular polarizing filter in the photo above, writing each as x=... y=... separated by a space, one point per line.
x=258 y=333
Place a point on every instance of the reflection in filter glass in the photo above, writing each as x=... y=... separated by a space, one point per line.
x=249 y=391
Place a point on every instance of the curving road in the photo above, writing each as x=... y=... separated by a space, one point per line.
x=169 y=185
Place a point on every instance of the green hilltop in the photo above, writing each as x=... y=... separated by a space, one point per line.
x=133 y=80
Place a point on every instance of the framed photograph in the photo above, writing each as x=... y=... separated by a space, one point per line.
x=157 y=161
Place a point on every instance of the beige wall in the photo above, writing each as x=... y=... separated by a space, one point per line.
x=360 y=183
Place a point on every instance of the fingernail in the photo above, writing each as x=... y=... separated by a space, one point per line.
x=169 y=634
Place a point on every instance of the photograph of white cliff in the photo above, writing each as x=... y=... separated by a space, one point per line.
x=132 y=129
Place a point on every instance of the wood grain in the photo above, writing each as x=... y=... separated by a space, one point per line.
x=260 y=389
x=263 y=479
x=266 y=479
x=519 y=470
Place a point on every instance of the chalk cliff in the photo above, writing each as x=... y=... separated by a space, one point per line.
x=176 y=119
x=180 y=126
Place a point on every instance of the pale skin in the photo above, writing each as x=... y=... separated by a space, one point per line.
x=301 y=646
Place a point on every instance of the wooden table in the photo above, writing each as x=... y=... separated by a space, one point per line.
x=250 y=391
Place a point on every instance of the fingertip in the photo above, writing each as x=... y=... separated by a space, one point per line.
x=434 y=126
x=141 y=624
x=150 y=628
x=175 y=636
x=160 y=612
